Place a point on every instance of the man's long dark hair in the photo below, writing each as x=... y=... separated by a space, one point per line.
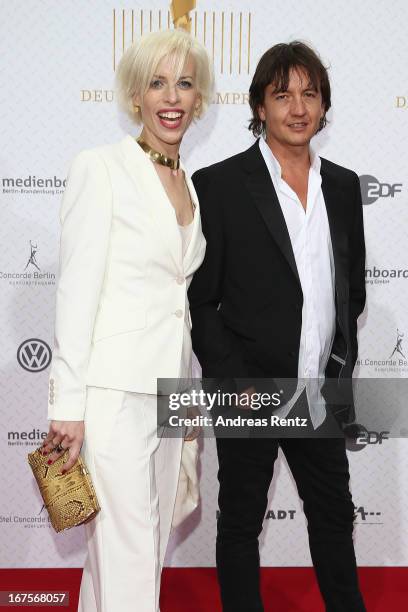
x=275 y=66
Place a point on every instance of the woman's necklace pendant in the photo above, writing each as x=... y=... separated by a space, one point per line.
x=157 y=157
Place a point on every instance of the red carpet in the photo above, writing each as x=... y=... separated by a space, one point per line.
x=195 y=590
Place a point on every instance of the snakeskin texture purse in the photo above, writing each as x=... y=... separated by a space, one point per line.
x=69 y=498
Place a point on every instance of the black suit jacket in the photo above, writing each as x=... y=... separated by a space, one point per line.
x=246 y=298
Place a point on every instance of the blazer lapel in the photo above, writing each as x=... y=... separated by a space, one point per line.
x=196 y=246
x=333 y=196
x=260 y=186
x=148 y=183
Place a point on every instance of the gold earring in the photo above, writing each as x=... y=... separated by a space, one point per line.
x=136 y=108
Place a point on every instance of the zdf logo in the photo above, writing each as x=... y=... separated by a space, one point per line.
x=358 y=437
x=372 y=189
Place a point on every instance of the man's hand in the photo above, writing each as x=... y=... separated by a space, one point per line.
x=70 y=435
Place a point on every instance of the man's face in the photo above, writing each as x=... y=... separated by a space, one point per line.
x=292 y=117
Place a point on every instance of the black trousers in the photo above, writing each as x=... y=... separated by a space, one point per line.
x=320 y=469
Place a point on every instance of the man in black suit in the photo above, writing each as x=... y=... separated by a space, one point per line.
x=278 y=296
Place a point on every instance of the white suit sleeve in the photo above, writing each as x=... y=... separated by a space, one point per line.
x=86 y=215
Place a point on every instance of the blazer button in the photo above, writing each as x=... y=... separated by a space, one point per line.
x=180 y=280
x=179 y=313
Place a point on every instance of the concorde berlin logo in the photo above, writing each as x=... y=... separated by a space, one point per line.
x=32 y=261
x=398 y=345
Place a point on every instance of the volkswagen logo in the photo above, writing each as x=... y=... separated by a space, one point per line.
x=34 y=355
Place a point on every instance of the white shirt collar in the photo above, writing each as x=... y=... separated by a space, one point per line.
x=274 y=166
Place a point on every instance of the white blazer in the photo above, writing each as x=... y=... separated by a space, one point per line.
x=122 y=289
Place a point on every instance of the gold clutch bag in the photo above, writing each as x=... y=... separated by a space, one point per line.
x=69 y=498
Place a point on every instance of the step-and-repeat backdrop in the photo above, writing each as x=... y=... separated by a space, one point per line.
x=59 y=61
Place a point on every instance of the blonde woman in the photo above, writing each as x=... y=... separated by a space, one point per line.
x=131 y=240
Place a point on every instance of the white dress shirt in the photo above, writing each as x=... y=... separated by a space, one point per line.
x=311 y=243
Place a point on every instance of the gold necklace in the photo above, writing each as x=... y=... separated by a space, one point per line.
x=157 y=157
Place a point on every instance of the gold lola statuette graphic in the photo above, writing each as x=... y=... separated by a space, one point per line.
x=180 y=10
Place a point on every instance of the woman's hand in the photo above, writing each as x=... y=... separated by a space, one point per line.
x=193 y=411
x=69 y=434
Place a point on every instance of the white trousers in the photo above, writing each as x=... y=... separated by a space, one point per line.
x=135 y=475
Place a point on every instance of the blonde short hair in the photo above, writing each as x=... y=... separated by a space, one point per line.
x=139 y=63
